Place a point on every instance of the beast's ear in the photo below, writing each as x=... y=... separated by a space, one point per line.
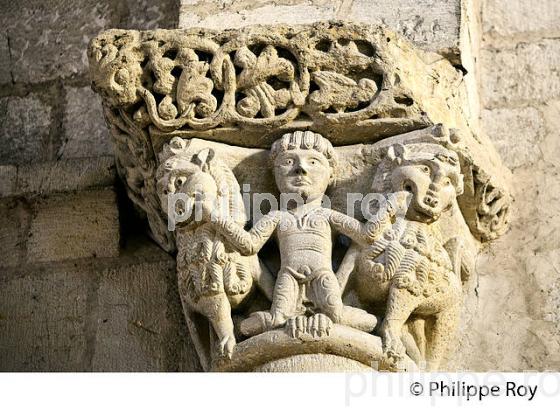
x=203 y=158
x=397 y=152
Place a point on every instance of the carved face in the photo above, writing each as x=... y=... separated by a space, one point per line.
x=305 y=172
x=200 y=190
x=433 y=178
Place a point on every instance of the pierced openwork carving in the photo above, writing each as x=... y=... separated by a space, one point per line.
x=201 y=119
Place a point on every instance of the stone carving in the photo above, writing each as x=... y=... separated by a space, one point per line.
x=408 y=267
x=339 y=92
x=305 y=284
x=198 y=81
x=136 y=165
x=319 y=113
x=213 y=277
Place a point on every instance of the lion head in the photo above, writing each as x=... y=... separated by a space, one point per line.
x=428 y=172
x=198 y=177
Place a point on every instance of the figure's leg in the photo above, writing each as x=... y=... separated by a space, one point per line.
x=400 y=304
x=326 y=295
x=442 y=333
x=417 y=329
x=284 y=300
x=358 y=319
x=262 y=276
x=283 y=307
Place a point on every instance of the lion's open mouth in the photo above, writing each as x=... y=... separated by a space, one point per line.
x=426 y=210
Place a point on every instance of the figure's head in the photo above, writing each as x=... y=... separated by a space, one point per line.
x=304 y=164
x=429 y=172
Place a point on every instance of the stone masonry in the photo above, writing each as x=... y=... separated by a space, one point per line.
x=81 y=289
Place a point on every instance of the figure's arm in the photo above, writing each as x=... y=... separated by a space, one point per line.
x=247 y=243
x=347 y=266
x=264 y=279
x=364 y=233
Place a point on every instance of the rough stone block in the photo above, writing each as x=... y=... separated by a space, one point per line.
x=25 y=129
x=8 y=176
x=43 y=317
x=522 y=75
x=74 y=226
x=150 y=15
x=85 y=132
x=433 y=24
x=14 y=224
x=550 y=147
x=5 y=61
x=508 y=18
x=116 y=314
x=515 y=134
x=140 y=325
x=63 y=176
x=49 y=38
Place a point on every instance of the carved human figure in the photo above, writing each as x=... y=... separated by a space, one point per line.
x=307 y=294
x=213 y=278
x=408 y=265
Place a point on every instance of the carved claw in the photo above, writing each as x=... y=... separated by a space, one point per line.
x=244 y=286
x=226 y=346
x=319 y=325
x=393 y=348
x=296 y=326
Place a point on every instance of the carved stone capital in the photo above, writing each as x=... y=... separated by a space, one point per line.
x=204 y=113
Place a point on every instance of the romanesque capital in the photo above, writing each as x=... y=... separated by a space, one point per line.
x=322 y=187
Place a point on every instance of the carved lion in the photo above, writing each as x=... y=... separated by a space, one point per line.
x=408 y=267
x=212 y=277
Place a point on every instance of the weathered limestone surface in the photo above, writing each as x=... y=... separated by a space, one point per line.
x=505 y=20
x=47 y=39
x=512 y=314
x=5 y=74
x=25 y=129
x=85 y=131
x=119 y=314
x=15 y=217
x=521 y=73
x=43 y=73
x=525 y=124
x=61 y=176
x=74 y=226
x=432 y=24
x=57 y=182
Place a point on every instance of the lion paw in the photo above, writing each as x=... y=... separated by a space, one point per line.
x=226 y=346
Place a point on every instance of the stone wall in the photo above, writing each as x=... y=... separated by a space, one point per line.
x=512 y=321
x=81 y=288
